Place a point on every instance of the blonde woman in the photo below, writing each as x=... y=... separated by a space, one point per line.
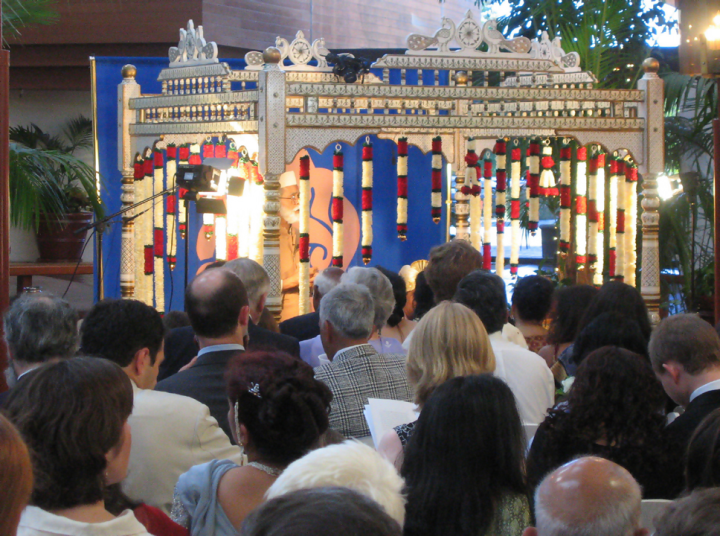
x=448 y=342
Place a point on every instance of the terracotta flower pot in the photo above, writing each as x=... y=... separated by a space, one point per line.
x=58 y=242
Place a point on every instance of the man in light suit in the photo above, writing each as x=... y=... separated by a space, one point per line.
x=217 y=305
x=356 y=371
x=170 y=433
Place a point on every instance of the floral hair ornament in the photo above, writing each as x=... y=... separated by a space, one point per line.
x=254 y=389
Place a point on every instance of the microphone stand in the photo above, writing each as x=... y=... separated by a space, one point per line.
x=101 y=225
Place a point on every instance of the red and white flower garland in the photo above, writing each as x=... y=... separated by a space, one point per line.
x=184 y=159
x=565 y=198
x=548 y=186
x=146 y=226
x=158 y=230
x=620 y=263
x=612 y=212
x=171 y=207
x=533 y=185
x=631 y=182
x=581 y=208
x=304 y=241
x=402 y=188
x=436 y=177
x=598 y=279
x=472 y=190
x=337 y=208
x=487 y=212
x=367 y=202
x=139 y=231
x=233 y=206
x=500 y=200
x=515 y=174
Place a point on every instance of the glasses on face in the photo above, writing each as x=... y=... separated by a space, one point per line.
x=293 y=197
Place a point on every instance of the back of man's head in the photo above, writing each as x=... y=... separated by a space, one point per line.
x=118 y=329
x=350 y=310
x=40 y=327
x=325 y=281
x=213 y=301
x=253 y=276
x=484 y=293
x=698 y=514
x=688 y=340
x=588 y=497
x=449 y=263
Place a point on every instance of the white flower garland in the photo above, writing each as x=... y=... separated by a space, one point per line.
x=436 y=180
x=500 y=200
x=487 y=212
x=612 y=202
x=402 y=188
x=337 y=207
x=158 y=231
x=598 y=278
x=515 y=173
x=533 y=186
x=170 y=219
x=565 y=198
x=631 y=183
x=620 y=222
x=581 y=208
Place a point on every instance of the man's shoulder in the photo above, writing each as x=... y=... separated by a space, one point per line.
x=260 y=337
x=149 y=400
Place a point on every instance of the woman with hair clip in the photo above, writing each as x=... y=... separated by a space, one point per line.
x=278 y=411
x=73 y=416
x=464 y=464
x=449 y=341
x=16 y=479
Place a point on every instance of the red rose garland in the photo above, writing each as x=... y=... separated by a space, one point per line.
x=533 y=185
x=515 y=174
x=171 y=206
x=367 y=202
x=184 y=159
x=620 y=222
x=581 y=208
x=500 y=151
x=402 y=188
x=631 y=182
x=337 y=208
x=436 y=177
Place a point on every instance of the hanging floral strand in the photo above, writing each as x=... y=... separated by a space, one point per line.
x=620 y=222
x=472 y=189
x=487 y=211
x=147 y=223
x=367 y=201
x=600 y=205
x=304 y=241
x=158 y=230
x=233 y=205
x=337 y=207
x=565 y=198
x=171 y=206
x=592 y=210
x=533 y=185
x=139 y=232
x=184 y=160
x=515 y=171
x=581 y=208
x=402 y=188
x=548 y=186
x=631 y=181
x=500 y=200
x=612 y=213
x=436 y=177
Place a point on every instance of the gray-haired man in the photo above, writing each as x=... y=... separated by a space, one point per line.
x=39 y=328
x=356 y=371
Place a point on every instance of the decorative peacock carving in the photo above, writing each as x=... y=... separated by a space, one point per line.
x=441 y=38
x=496 y=40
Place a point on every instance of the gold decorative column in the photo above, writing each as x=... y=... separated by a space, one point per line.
x=654 y=165
x=127 y=90
x=271 y=127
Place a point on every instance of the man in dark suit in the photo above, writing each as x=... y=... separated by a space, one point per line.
x=685 y=353
x=307 y=326
x=181 y=347
x=217 y=305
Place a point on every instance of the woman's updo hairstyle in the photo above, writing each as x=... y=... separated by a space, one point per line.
x=282 y=405
x=400 y=293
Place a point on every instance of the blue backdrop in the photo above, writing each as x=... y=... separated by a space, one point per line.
x=388 y=251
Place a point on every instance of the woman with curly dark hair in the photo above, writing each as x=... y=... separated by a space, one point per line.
x=569 y=306
x=278 y=411
x=614 y=410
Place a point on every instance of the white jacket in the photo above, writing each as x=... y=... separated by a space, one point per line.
x=170 y=434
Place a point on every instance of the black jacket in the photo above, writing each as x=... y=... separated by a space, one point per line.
x=180 y=346
x=682 y=428
x=302 y=327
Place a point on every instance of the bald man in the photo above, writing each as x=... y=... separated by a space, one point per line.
x=217 y=304
x=305 y=327
x=588 y=496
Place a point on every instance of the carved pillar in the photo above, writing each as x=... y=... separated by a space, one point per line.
x=654 y=165
x=271 y=127
x=127 y=90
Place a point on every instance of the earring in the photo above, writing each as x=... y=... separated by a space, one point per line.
x=243 y=456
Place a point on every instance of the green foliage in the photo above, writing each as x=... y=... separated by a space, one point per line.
x=610 y=35
x=46 y=177
x=17 y=14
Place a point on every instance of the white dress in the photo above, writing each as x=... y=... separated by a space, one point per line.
x=37 y=522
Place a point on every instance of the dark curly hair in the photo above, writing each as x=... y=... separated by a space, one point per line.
x=532 y=297
x=616 y=400
x=610 y=329
x=288 y=413
x=423 y=297
x=702 y=463
x=70 y=414
x=570 y=304
x=617 y=297
x=400 y=294
x=117 y=329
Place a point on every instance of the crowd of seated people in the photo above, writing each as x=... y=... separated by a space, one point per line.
x=560 y=413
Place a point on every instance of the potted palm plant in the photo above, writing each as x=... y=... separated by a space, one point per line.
x=52 y=191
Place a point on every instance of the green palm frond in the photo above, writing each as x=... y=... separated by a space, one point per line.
x=18 y=14
x=78 y=133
